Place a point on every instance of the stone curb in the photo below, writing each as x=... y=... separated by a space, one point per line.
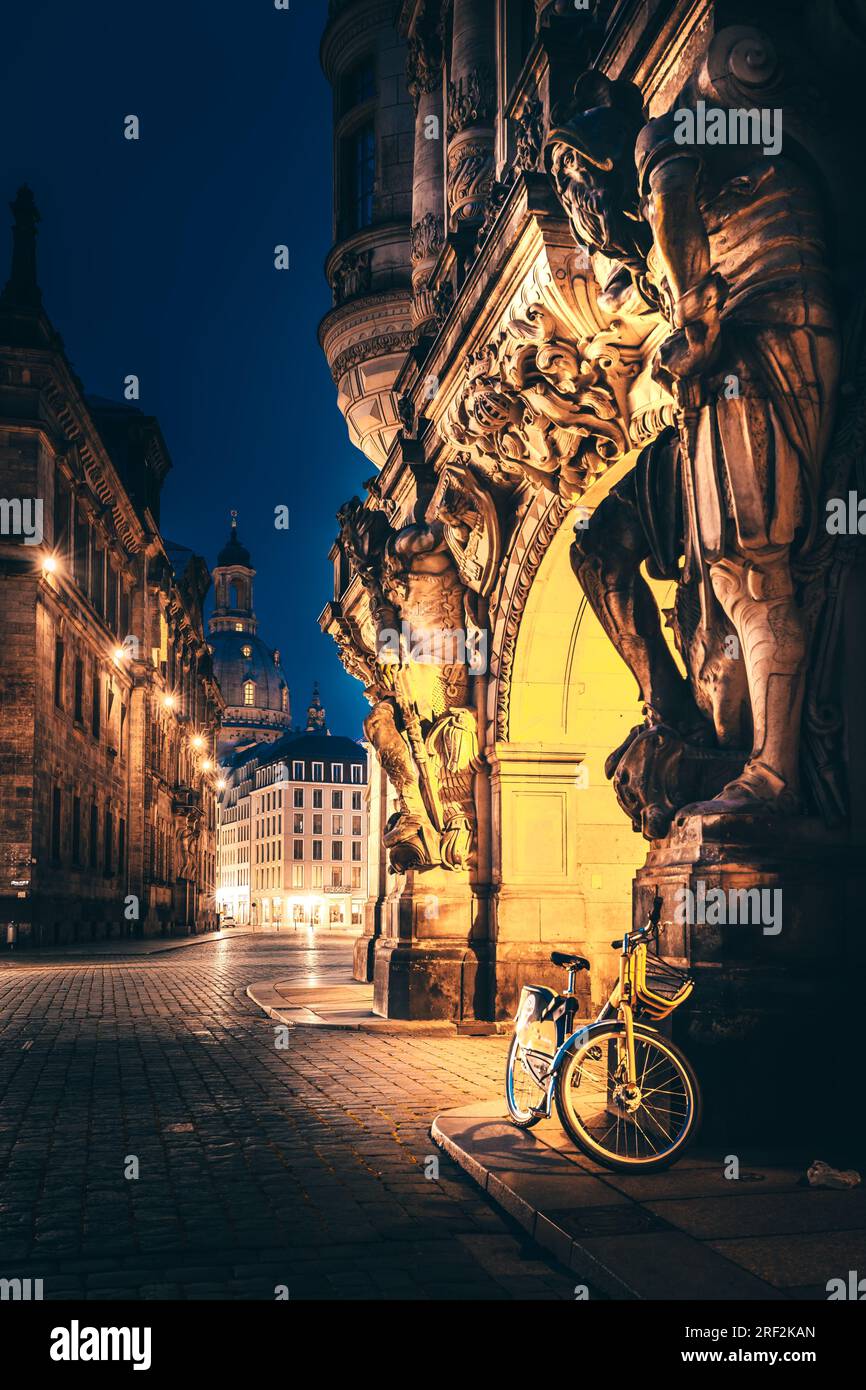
x=266 y=994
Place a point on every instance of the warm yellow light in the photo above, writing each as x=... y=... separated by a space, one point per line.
x=197 y=741
x=169 y=701
x=206 y=765
x=49 y=564
x=119 y=653
x=221 y=785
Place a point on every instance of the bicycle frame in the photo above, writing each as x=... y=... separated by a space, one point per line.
x=618 y=1005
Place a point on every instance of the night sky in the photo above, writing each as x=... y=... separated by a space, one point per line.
x=156 y=258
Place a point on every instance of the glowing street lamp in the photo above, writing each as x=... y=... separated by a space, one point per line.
x=197 y=741
x=169 y=701
x=50 y=564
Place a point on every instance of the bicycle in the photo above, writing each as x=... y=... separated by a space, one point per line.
x=624 y=1093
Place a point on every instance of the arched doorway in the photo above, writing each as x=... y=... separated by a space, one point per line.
x=564 y=854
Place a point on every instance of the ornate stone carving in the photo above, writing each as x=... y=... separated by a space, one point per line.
x=377 y=346
x=470 y=178
x=424 y=59
x=529 y=131
x=471 y=100
x=471 y=526
x=427 y=237
x=414 y=651
x=727 y=242
x=352 y=275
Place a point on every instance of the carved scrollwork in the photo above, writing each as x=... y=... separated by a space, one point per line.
x=352 y=275
x=471 y=100
x=471 y=525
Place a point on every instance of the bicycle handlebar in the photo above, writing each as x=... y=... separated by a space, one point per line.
x=651 y=927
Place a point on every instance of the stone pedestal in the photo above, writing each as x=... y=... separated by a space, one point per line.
x=769 y=1025
x=432 y=960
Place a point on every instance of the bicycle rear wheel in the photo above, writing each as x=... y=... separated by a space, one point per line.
x=647 y=1130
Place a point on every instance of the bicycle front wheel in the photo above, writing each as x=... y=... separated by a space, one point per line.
x=645 y=1127
x=522 y=1090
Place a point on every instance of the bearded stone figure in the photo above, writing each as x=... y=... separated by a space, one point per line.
x=726 y=244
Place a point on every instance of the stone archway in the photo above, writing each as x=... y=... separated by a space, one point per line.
x=563 y=855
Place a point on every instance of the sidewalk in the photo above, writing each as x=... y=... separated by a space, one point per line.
x=120 y=948
x=346 y=1003
x=685 y=1233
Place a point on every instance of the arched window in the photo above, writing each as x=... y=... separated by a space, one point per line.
x=284 y=699
x=249 y=692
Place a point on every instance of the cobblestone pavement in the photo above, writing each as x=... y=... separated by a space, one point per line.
x=258 y=1167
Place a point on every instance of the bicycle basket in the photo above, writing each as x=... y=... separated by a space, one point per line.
x=659 y=988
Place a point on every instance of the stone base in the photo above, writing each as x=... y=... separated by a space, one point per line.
x=363 y=958
x=431 y=980
x=519 y=963
x=767 y=1027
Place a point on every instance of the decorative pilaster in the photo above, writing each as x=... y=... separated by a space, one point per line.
x=471 y=113
x=424 y=77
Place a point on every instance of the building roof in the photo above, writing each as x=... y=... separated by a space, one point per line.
x=233 y=553
x=240 y=657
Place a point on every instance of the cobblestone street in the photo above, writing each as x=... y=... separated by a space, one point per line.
x=258 y=1167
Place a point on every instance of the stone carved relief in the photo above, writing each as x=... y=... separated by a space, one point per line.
x=529 y=132
x=352 y=275
x=427 y=237
x=470 y=524
x=728 y=251
x=424 y=59
x=470 y=178
x=422 y=724
x=471 y=100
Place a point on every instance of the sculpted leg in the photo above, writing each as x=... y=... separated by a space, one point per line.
x=757 y=594
x=606 y=557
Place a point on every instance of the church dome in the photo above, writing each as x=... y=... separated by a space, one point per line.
x=233 y=553
x=240 y=658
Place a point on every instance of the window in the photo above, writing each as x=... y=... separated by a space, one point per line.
x=297 y=875
x=108 y=845
x=61 y=517
x=335 y=913
x=96 y=706
x=246 y=651
x=356 y=877
x=318 y=772
x=336 y=801
x=78 y=691
x=239 y=627
x=336 y=849
x=76 y=829
x=357 y=910
x=317 y=797
x=317 y=849
x=356 y=801
x=317 y=876
x=336 y=825
x=336 y=876
x=358 y=86
x=356 y=850
x=249 y=692
x=356 y=825
x=299 y=823
x=298 y=771
x=317 y=824
x=94 y=834
x=299 y=796
x=56 y=812
x=357 y=772
x=359 y=172
x=59 y=653
x=284 y=699
x=121 y=844
x=298 y=849
x=336 y=772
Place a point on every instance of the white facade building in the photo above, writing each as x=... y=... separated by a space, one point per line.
x=293 y=835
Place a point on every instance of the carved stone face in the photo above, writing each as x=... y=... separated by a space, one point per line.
x=597 y=203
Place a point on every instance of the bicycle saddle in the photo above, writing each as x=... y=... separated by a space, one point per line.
x=563 y=958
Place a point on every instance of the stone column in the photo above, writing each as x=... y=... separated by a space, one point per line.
x=471 y=113
x=428 y=194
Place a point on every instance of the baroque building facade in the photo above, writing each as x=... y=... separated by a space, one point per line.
x=597 y=357
x=109 y=708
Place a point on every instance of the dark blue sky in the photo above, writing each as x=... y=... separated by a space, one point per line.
x=157 y=258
